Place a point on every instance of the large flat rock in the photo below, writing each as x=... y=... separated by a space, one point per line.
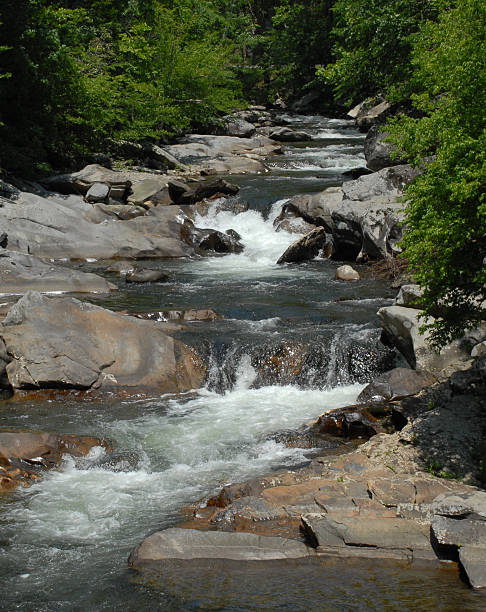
x=193 y=544
x=62 y=227
x=21 y=273
x=64 y=343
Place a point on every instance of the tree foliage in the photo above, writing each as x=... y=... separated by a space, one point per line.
x=446 y=211
x=371 y=47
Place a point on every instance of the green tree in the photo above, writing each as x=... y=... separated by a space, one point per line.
x=446 y=211
x=371 y=46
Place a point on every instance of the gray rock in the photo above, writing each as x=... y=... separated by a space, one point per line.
x=191 y=544
x=22 y=273
x=145 y=190
x=401 y=326
x=141 y=275
x=364 y=216
x=473 y=561
x=479 y=349
x=98 y=192
x=366 y=114
x=395 y=384
x=285 y=134
x=308 y=247
x=238 y=127
x=460 y=505
x=65 y=343
x=200 y=147
x=121 y=267
x=80 y=182
x=409 y=295
x=378 y=152
x=346 y=273
x=67 y=227
x=388 y=534
x=453 y=532
x=163 y=159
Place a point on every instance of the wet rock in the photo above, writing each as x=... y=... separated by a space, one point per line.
x=395 y=384
x=378 y=152
x=184 y=194
x=80 y=182
x=98 y=192
x=191 y=544
x=22 y=273
x=99 y=349
x=310 y=246
x=290 y=221
x=347 y=273
x=351 y=423
x=218 y=242
x=24 y=455
x=144 y=275
x=285 y=134
x=121 y=267
x=180 y=315
x=479 y=349
x=401 y=326
x=216 y=205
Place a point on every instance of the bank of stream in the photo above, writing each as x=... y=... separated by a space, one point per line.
x=66 y=539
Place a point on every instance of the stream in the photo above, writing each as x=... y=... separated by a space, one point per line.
x=65 y=540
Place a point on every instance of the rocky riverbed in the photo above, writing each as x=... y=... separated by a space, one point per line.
x=193 y=355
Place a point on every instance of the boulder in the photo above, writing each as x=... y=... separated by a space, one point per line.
x=144 y=275
x=180 y=315
x=378 y=152
x=60 y=227
x=364 y=216
x=199 y=147
x=346 y=273
x=409 y=296
x=98 y=192
x=25 y=455
x=401 y=326
x=121 y=212
x=148 y=154
x=473 y=562
x=22 y=273
x=193 y=545
x=218 y=242
x=80 y=182
x=367 y=113
x=351 y=423
x=121 y=267
x=185 y=194
x=67 y=344
x=238 y=127
x=148 y=189
x=290 y=221
x=286 y=134
x=399 y=382
x=308 y=247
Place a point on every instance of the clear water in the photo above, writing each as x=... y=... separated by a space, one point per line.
x=65 y=540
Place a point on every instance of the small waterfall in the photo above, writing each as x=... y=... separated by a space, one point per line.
x=346 y=358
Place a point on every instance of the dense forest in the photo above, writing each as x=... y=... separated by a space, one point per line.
x=77 y=74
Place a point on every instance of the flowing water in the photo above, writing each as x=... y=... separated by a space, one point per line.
x=293 y=344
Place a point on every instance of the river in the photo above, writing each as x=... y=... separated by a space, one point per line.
x=65 y=540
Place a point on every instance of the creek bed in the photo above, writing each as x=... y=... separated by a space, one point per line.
x=65 y=540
